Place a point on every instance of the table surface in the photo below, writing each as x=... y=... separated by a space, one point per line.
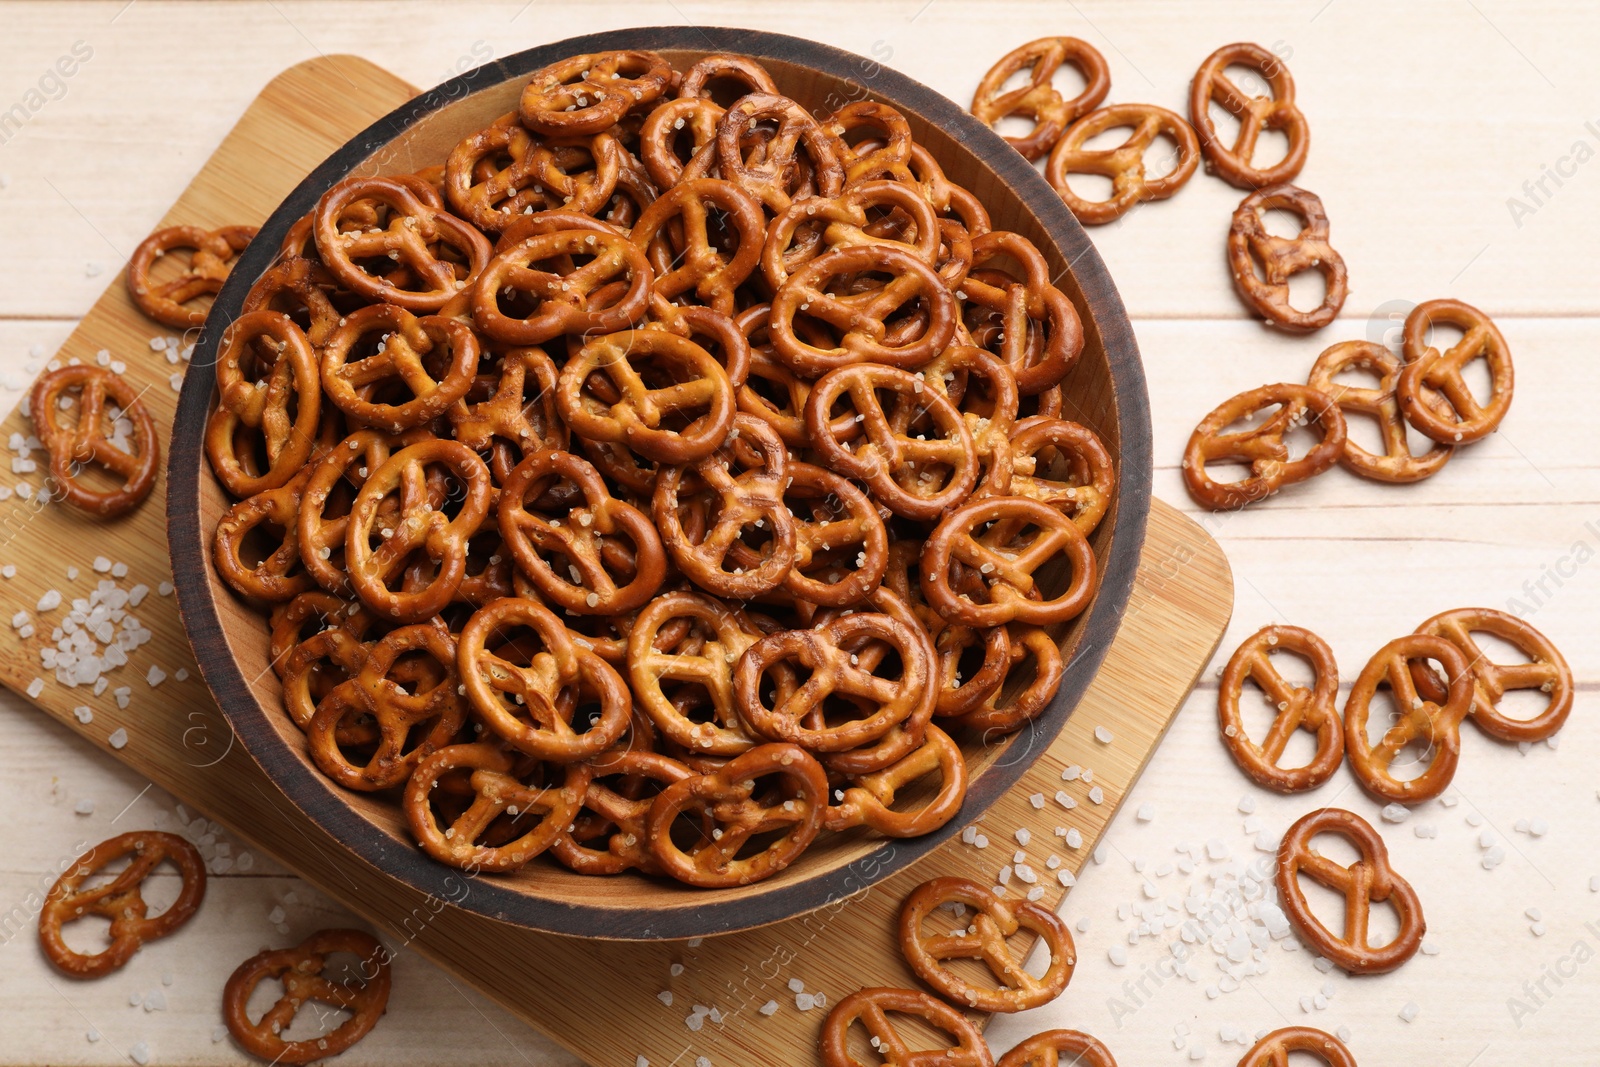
x=1451 y=148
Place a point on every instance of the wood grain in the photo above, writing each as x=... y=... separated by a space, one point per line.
x=1180 y=604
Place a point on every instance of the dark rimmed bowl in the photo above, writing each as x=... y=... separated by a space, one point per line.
x=1106 y=391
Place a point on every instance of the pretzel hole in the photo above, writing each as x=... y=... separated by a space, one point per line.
x=1248 y=80
x=1091 y=188
x=1417 y=755
x=1280 y=222
x=1161 y=158
x=1272 y=146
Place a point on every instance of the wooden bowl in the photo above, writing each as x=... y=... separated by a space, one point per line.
x=1105 y=390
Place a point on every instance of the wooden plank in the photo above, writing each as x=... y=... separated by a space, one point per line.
x=1419 y=207
x=177 y=738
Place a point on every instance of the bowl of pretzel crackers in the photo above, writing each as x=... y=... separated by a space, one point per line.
x=660 y=483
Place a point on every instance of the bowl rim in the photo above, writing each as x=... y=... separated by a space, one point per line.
x=222 y=674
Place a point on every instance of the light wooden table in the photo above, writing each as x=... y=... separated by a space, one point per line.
x=1428 y=120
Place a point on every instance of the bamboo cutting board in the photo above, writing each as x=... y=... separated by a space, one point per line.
x=603 y=1000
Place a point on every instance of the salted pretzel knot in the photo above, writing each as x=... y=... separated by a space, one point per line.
x=565 y=555
x=268 y=384
x=566 y=298
x=964 y=1044
x=1430 y=374
x=588 y=94
x=745 y=481
x=988 y=536
x=1063 y=464
x=1250 y=246
x=727 y=797
x=1315 y=710
x=1124 y=164
x=614 y=812
x=527 y=693
x=420 y=523
x=864 y=321
x=829 y=654
x=704 y=656
x=1273 y=1049
x=673 y=423
x=517 y=807
x=120 y=900
x=1396 y=463
x=300 y=969
x=1055 y=1048
x=1264 y=447
x=1545 y=670
x=433 y=359
x=773 y=174
x=133 y=459
x=1368 y=881
x=1038 y=99
x=211 y=257
x=984 y=939
x=415 y=230
x=1234 y=163
x=688 y=257
x=869 y=799
x=1436 y=724
x=920 y=475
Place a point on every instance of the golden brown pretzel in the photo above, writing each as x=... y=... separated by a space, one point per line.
x=268 y=389
x=409 y=726
x=277 y=575
x=614 y=811
x=416 y=234
x=1368 y=881
x=1235 y=164
x=1263 y=447
x=701 y=659
x=841 y=545
x=1025 y=645
x=1006 y=560
x=834 y=668
x=537 y=174
x=1038 y=330
x=869 y=799
x=1435 y=723
x=120 y=900
x=813 y=226
x=1428 y=374
x=1545 y=670
x=565 y=555
x=513 y=412
x=1045 y=1050
x=1124 y=165
x=884 y=452
x=88 y=442
x=563 y=298
x=1273 y=1050
x=743 y=71
x=1063 y=464
x=873 y=140
x=588 y=94
x=1038 y=99
x=434 y=360
x=301 y=288
x=518 y=807
x=211 y=258
x=530 y=705
x=1297 y=708
x=867 y=329
x=984 y=388
x=300 y=970
x=420 y=525
x=744 y=480
x=329 y=486
x=964 y=1045
x=1262 y=263
x=677 y=423
x=773 y=173
x=696 y=117
x=1396 y=463
x=737 y=813
x=984 y=940
x=673 y=234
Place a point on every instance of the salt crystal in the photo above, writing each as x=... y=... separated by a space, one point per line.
x=1097 y=795
x=84 y=807
x=1118 y=956
x=1409 y=1012
x=1146 y=812
x=155 y=676
x=140 y=1053
x=36 y=687
x=769 y=1008
x=50 y=601
x=118 y=738
x=665 y=996
x=1395 y=813
x=1102 y=735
